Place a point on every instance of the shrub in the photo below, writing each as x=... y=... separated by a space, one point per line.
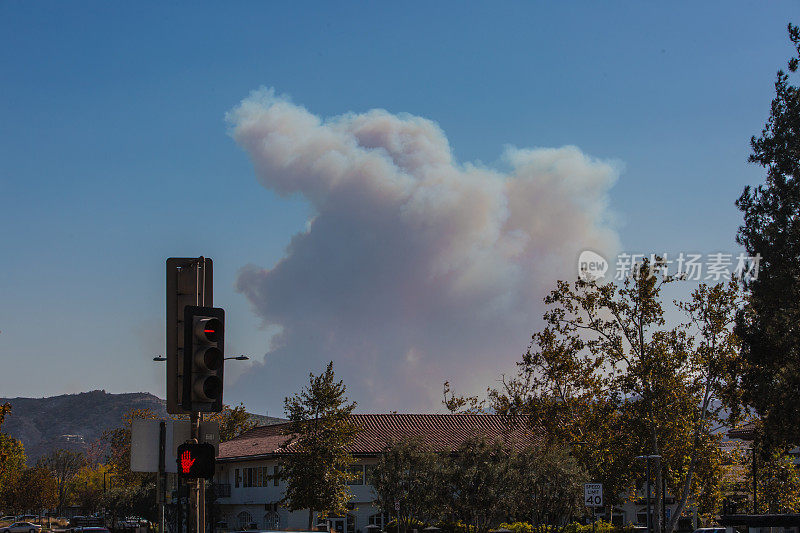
x=573 y=527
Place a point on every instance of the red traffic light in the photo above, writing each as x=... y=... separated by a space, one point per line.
x=208 y=329
x=204 y=359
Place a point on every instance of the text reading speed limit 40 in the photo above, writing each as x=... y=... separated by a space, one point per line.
x=593 y=494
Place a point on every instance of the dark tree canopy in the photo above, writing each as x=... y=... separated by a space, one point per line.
x=64 y=466
x=770 y=325
x=233 y=421
x=409 y=472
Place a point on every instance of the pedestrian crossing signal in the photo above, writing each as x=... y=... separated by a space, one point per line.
x=196 y=461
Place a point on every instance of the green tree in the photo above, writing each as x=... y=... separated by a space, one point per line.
x=88 y=487
x=608 y=377
x=771 y=231
x=122 y=501
x=118 y=441
x=713 y=370
x=233 y=421
x=32 y=489
x=778 y=484
x=316 y=465
x=64 y=466
x=477 y=481
x=408 y=471
x=4 y=410
x=12 y=457
x=562 y=396
x=548 y=486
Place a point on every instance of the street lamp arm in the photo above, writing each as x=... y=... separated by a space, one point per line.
x=161 y=358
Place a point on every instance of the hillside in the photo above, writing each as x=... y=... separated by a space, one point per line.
x=73 y=421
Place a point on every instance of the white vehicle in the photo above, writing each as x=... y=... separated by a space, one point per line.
x=94 y=529
x=21 y=527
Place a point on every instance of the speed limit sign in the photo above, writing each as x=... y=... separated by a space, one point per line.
x=593 y=494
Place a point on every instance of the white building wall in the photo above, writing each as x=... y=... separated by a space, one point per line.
x=253 y=499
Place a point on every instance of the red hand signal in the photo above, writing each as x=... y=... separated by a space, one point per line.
x=186 y=462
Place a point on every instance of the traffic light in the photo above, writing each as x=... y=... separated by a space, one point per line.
x=190 y=281
x=196 y=461
x=204 y=358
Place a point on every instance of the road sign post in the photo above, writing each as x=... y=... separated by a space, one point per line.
x=593 y=494
x=593 y=497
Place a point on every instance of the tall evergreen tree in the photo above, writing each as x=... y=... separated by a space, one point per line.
x=770 y=325
x=317 y=466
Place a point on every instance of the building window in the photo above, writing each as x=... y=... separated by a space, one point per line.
x=379 y=520
x=272 y=520
x=276 y=470
x=253 y=477
x=358 y=472
x=236 y=478
x=346 y=524
x=245 y=519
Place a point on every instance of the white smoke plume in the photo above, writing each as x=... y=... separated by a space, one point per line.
x=415 y=268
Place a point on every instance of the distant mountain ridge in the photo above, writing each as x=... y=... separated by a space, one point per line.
x=74 y=421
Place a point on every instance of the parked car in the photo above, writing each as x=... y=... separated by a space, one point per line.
x=22 y=527
x=77 y=522
x=132 y=522
x=94 y=529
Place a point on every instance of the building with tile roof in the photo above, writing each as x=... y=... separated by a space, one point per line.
x=248 y=498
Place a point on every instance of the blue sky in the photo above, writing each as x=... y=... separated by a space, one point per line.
x=114 y=146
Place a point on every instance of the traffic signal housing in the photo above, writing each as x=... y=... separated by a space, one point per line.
x=196 y=461
x=203 y=359
x=189 y=281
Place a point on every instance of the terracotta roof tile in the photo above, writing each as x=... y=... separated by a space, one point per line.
x=442 y=432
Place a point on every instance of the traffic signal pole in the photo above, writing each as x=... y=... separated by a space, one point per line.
x=197 y=491
x=195 y=522
x=194 y=373
x=161 y=488
x=649 y=517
